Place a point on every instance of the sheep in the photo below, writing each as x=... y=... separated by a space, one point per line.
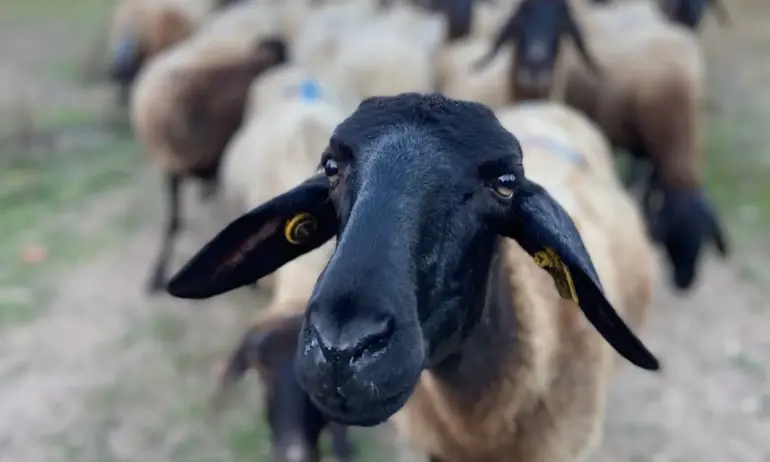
x=646 y=98
x=424 y=306
x=295 y=423
x=141 y=29
x=689 y=13
x=189 y=101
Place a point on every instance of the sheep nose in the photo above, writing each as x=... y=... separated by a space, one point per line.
x=353 y=343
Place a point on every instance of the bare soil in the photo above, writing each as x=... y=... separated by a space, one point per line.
x=106 y=373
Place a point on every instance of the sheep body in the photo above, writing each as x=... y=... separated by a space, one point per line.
x=314 y=31
x=384 y=55
x=188 y=102
x=653 y=90
x=550 y=400
x=222 y=51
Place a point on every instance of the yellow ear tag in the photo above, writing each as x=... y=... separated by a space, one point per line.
x=300 y=228
x=550 y=261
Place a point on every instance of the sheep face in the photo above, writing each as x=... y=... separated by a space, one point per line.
x=295 y=423
x=418 y=188
x=536 y=27
x=684 y=223
x=690 y=12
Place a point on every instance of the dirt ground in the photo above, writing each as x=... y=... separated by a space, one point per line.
x=91 y=369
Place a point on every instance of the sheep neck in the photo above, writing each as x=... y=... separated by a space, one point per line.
x=477 y=371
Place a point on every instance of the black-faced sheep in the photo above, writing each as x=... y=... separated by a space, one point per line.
x=537 y=27
x=295 y=422
x=188 y=102
x=690 y=12
x=435 y=292
x=647 y=101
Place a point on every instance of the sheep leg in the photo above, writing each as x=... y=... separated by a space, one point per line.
x=341 y=447
x=158 y=280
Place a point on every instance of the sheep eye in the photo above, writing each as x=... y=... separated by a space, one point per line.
x=505 y=186
x=331 y=170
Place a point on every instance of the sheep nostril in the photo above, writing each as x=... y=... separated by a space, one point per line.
x=375 y=340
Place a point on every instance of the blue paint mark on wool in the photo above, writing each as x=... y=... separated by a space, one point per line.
x=309 y=90
x=554 y=146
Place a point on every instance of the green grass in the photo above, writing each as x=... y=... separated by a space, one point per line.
x=36 y=191
x=738 y=169
x=78 y=12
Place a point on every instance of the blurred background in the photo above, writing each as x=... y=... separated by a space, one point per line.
x=94 y=369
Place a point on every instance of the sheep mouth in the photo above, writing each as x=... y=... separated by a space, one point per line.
x=364 y=412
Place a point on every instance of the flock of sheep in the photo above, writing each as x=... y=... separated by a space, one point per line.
x=470 y=222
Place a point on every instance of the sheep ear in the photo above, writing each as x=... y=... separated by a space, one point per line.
x=264 y=344
x=507 y=33
x=249 y=353
x=260 y=242
x=545 y=230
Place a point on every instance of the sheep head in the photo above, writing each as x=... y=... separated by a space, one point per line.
x=684 y=222
x=419 y=189
x=536 y=27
